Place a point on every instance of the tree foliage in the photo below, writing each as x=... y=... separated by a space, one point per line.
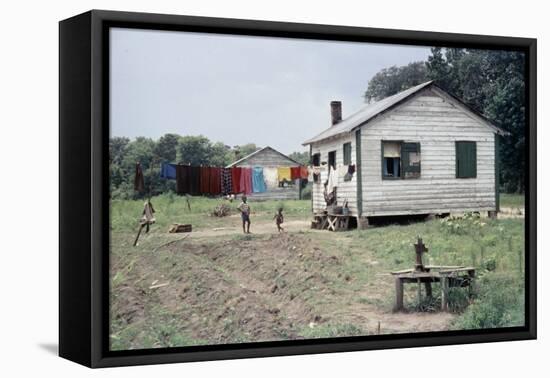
x=300 y=157
x=392 y=80
x=491 y=82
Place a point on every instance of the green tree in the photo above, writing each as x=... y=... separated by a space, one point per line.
x=117 y=149
x=194 y=150
x=243 y=150
x=300 y=157
x=166 y=147
x=220 y=155
x=392 y=80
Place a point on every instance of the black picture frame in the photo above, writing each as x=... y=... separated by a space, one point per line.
x=84 y=190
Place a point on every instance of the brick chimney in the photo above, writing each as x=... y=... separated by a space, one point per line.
x=336 y=111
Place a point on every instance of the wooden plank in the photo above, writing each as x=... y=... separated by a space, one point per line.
x=402 y=271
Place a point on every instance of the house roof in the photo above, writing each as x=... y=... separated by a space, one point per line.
x=259 y=151
x=372 y=110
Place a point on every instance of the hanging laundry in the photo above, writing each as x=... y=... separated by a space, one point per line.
x=349 y=174
x=271 y=177
x=215 y=183
x=139 y=185
x=205 y=180
x=195 y=178
x=332 y=181
x=316 y=174
x=294 y=173
x=236 y=173
x=226 y=181
x=246 y=180
x=168 y=171
x=304 y=173
x=258 y=182
x=283 y=173
x=183 y=179
x=342 y=170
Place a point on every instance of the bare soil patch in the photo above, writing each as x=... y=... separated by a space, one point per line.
x=219 y=286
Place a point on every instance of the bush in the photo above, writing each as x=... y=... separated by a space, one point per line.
x=500 y=303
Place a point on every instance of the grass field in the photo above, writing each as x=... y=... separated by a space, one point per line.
x=220 y=286
x=512 y=200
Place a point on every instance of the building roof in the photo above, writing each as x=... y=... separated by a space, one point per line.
x=266 y=148
x=372 y=110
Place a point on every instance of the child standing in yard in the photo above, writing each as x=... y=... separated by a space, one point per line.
x=279 y=219
x=244 y=208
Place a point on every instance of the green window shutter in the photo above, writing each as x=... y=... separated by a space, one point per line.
x=466 y=160
x=347 y=153
x=410 y=160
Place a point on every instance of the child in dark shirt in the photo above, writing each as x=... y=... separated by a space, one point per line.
x=244 y=208
x=279 y=219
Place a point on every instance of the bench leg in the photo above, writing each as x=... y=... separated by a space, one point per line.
x=428 y=287
x=444 y=293
x=419 y=292
x=398 y=294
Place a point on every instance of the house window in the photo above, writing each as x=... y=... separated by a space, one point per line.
x=316 y=162
x=332 y=159
x=466 y=159
x=316 y=159
x=347 y=153
x=400 y=160
x=410 y=160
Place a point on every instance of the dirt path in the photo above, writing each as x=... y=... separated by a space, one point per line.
x=258 y=227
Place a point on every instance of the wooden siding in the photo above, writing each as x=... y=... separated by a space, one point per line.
x=436 y=123
x=346 y=190
x=267 y=158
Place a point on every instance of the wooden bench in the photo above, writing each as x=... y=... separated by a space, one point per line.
x=331 y=222
x=337 y=222
x=447 y=276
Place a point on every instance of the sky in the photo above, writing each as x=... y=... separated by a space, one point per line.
x=239 y=89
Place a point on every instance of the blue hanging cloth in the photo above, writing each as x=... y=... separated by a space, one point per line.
x=168 y=171
x=258 y=182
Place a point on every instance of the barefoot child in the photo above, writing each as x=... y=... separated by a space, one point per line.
x=279 y=219
x=244 y=208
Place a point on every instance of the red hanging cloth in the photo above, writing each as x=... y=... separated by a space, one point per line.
x=205 y=180
x=236 y=180
x=294 y=173
x=215 y=180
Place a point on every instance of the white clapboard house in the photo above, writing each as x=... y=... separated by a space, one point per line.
x=421 y=151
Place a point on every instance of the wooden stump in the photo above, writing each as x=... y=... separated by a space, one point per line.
x=362 y=223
